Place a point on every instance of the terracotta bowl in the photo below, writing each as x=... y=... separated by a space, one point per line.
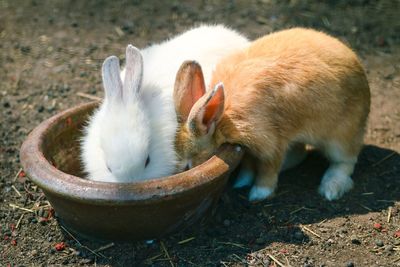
x=138 y=210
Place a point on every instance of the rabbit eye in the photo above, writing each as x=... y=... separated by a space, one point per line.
x=147 y=161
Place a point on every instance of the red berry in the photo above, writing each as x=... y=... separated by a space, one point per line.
x=283 y=251
x=378 y=226
x=397 y=234
x=60 y=246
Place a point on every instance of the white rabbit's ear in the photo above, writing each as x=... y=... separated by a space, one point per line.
x=133 y=73
x=189 y=87
x=207 y=111
x=111 y=78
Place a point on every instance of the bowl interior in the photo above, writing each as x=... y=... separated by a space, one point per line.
x=51 y=155
x=62 y=145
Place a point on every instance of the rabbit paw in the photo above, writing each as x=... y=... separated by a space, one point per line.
x=335 y=184
x=258 y=193
x=244 y=178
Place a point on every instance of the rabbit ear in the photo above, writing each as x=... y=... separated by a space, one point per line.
x=133 y=73
x=111 y=78
x=189 y=87
x=207 y=111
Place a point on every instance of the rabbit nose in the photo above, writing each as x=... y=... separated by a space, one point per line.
x=115 y=170
x=108 y=168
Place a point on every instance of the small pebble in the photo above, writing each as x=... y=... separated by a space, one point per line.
x=25 y=49
x=149 y=242
x=350 y=264
x=40 y=108
x=379 y=243
x=227 y=223
x=389 y=248
x=266 y=261
x=34 y=252
x=355 y=240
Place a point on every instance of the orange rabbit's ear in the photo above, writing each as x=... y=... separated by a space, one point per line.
x=189 y=87
x=207 y=111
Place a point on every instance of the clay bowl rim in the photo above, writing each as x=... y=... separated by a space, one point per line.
x=42 y=172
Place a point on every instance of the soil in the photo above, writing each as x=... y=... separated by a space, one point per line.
x=52 y=50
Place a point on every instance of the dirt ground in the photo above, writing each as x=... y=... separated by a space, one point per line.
x=51 y=50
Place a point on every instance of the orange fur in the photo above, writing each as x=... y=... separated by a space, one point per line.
x=293 y=86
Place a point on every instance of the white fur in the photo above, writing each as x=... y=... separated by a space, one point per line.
x=123 y=136
x=336 y=180
x=335 y=183
x=258 y=193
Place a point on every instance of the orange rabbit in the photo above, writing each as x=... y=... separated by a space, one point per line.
x=288 y=88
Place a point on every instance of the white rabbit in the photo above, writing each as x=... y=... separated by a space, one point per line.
x=131 y=136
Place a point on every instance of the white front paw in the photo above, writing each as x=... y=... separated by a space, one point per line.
x=335 y=185
x=258 y=193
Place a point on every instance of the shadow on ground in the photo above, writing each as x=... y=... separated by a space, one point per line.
x=238 y=227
